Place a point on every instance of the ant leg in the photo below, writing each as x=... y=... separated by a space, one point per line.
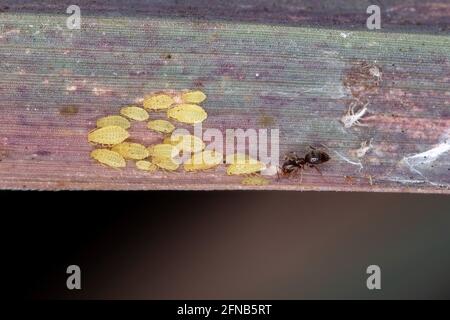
x=318 y=170
x=293 y=173
x=301 y=175
x=297 y=171
x=280 y=174
x=312 y=147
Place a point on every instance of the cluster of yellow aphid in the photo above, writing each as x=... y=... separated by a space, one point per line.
x=183 y=107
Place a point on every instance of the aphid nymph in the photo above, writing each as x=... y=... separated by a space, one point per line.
x=352 y=118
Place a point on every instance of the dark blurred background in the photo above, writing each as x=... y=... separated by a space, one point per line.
x=227 y=245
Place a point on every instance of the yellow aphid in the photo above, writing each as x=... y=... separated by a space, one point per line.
x=163 y=151
x=203 y=161
x=165 y=156
x=109 y=158
x=255 y=181
x=158 y=102
x=187 y=113
x=108 y=135
x=168 y=140
x=236 y=169
x=166 y=163
x=130 y=150
x=113 y=121
x=146 y=166
x=193 y=97
x=186 y=143
x=134 y=113
x=161 y=126
x=239 y=158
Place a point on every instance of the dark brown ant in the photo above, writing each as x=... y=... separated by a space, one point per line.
x=294 y=164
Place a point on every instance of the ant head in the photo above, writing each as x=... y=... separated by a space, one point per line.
x=317 y=157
